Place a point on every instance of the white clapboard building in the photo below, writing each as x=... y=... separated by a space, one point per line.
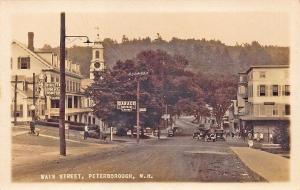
x=27 y=62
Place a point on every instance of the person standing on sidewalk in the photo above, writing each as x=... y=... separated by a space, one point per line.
x=86 y=132
x=32 y=127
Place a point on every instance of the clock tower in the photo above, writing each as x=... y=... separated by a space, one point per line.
x=97 y=62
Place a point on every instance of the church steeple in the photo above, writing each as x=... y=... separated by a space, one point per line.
x=97 y=62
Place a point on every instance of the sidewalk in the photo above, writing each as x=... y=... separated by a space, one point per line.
x=273 y=168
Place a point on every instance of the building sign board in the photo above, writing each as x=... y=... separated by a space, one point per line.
x=165 y=116
x=52 y=89
x=126 y=106
x=143 y=109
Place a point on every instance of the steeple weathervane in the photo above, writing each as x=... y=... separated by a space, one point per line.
x=98 y=31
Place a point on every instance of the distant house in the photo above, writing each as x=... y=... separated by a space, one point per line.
x=263 y=99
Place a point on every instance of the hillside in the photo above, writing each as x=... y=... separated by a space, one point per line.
x=208 y=56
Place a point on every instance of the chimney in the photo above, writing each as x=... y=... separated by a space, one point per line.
x=30 y=41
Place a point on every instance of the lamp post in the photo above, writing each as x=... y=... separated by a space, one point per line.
x=63 y=82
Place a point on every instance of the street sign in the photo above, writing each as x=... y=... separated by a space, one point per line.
x=143 y=109
x=165 y=116
x=52 y=89
x=126 y=106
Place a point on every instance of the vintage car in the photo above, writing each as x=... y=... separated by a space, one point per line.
x=170 y=133
x=220 y=134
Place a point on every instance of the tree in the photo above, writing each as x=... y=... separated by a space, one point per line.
x=219 y=96
x=282 y=136
x=46 y=47
x=168 y=83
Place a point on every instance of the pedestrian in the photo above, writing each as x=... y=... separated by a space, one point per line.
x=256 y=136
x=271 y=138
x=250 y=136
x=261 y=136
x=86 y=131
x=32 y=127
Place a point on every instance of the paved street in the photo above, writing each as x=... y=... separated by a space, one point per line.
x=179 y=159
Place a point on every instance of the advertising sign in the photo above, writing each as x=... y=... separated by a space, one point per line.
x=52 y=89
x=126 y=106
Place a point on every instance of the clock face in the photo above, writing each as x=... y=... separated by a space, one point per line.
x=97 y=65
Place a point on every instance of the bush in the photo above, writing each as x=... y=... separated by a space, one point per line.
x=282 y=137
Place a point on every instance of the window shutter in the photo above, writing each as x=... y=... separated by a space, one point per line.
x=279 y=90
x=19 y=62
x=28 y=66
x=258 y=90
x=283 y=90
x=266 y=89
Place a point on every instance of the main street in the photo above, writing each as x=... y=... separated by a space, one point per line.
x=178 y=158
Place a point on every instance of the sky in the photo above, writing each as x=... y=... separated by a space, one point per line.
x=268 y=28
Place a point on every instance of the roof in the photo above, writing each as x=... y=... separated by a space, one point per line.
x=86 y=83
x=265 y=67
x=43 y=61
x=32 y=53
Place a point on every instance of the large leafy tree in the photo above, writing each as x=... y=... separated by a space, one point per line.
x=220 y=92
x=167 y=83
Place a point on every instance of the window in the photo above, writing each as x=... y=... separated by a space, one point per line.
x=275 y=90
x=94 y=120
x=97 y=54
x=242 y=90
x=57 y=79
x=262 y=90
x=54 y=103
x=262 y=74
x=286 y=90
x=287 y=109
x=29 y=111
x=69 y=102
x=19 y=112
x=23 y=62
x=73 y=86
x=68 y=86
x=75 y=101
x=275 y=111
x=52 y=79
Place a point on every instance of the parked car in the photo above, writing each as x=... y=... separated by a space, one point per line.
x=220 y=134
x=170 y=133
x=210 y=137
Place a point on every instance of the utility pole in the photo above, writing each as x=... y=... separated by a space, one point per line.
x=62 y=139
x=138 y=110
x=138 y=75
x=62 y=136
x=15 y=102
x=33 y=96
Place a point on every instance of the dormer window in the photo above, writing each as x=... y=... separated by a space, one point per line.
x=23 y=62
